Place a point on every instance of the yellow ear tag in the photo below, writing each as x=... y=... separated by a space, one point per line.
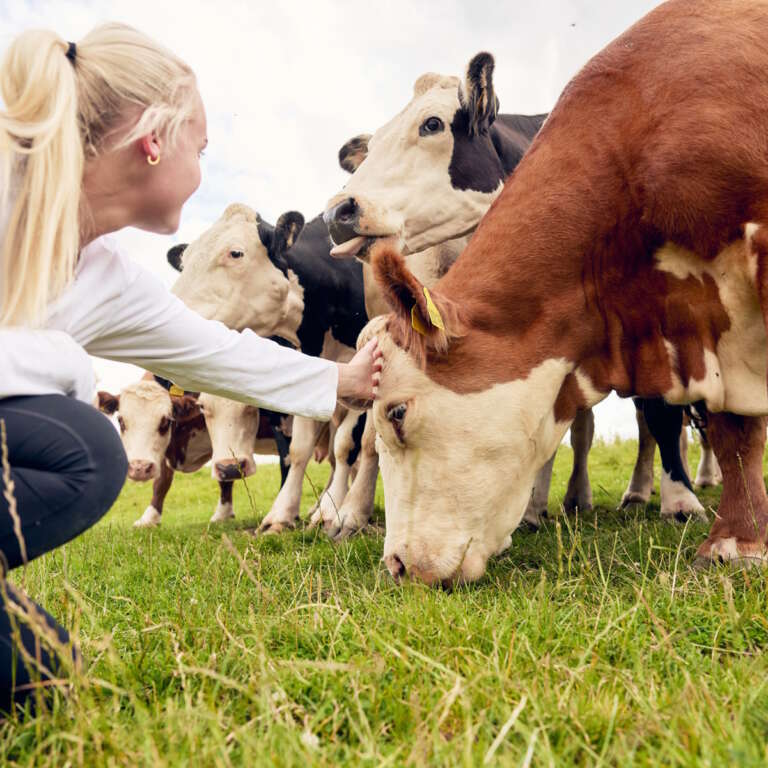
x=418 y=326
x=176 y=391
x=434 y=313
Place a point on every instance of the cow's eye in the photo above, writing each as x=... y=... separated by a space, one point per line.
x=236 y=254
x=396 y=417
x=431 y=126
x=121 y=422
x=165 y=425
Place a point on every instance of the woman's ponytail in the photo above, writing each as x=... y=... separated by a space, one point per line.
x=41 y=171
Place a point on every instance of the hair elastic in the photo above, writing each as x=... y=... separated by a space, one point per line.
x=71 y=52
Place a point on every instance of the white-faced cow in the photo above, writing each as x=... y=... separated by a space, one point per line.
x=627 y=252
x=164 y=433
x=281 y=281
x=431 y=173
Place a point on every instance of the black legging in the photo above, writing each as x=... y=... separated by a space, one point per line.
x=67 y=465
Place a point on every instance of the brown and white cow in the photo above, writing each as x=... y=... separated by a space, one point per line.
x=163 y=434
x=627 y=252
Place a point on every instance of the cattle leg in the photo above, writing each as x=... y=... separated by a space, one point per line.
x=346 y=448
x=224 y=509
x=160 y=488
x=665 y=422
x=708 y=472
x=537 y=505
x=357 y=508
x=739 y=531
x=285 y=509
x=579 y=492
x=640 y=485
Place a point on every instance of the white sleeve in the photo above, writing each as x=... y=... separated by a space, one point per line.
x=44 y=362
x=150 y=327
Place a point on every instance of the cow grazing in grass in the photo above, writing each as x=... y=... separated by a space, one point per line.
x=627 y=252
x=281 y=281
x=164 y=433
x=431 y=173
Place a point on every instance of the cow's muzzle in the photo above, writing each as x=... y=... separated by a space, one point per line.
x=231 y=469
x=141 y=471
x=342 y=219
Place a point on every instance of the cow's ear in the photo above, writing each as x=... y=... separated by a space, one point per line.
x=174 y=256
x=477 y=94
x=107 y=403
x=287 y=230
x=423 y=318
x=185 y=408
x=354 y=152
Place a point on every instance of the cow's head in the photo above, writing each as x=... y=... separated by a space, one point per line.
x=145 y=413
x=236 y=273
x=457 y=466
x=428 y=175
x=233 y=428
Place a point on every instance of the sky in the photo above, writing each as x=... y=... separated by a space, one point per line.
x=285 y=84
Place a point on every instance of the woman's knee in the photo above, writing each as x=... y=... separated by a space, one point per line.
x=108 y=460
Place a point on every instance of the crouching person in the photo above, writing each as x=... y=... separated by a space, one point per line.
x=94 y=137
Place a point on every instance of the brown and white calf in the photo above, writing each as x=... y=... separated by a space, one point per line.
x=163 y=434
x=627 y=252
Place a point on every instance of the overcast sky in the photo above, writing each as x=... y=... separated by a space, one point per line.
x=285 y=84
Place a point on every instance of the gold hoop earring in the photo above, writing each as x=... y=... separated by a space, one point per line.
x=153 y=160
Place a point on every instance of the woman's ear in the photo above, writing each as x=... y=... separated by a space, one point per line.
x=150 y=146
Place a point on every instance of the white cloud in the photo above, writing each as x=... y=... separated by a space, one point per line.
x=286 y=83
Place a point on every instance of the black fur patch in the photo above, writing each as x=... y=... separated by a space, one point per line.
x=174 y=256
x=354 y=152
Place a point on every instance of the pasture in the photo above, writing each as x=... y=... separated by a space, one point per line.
x=591 y=642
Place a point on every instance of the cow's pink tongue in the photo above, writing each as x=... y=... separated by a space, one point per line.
x=349 y=248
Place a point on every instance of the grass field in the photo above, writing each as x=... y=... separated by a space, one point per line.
x=592 y=642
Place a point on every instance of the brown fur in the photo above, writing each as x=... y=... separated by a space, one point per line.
x=662 y=137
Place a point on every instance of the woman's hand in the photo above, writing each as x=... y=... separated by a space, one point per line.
x=359 y=378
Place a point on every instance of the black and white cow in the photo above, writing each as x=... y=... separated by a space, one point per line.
x=280 y=281
x=429 y=175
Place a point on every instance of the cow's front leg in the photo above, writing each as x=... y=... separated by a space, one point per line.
x=579 y=492
x=665 y=422
x=739 y=531
x=285 y=509
x=640 y=485
x=224 y=509
x=160 y=487
x=537 y=504
x=357 y=508
x=346 y=449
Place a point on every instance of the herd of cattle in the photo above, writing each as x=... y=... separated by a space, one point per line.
x=515 y=269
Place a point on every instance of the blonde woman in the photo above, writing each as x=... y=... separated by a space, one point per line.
x=97 y=136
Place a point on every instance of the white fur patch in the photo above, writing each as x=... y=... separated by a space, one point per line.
x=224 y=511
x=150 y=519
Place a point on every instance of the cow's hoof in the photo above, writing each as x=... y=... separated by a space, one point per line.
x=572 y=503
x=223 y=512
x=633 y=499
x=708 y=479
x=351 y=524
x=743 y=554
x=678 y=503
x=533 y=518
x=273 y=527
x=150 y=519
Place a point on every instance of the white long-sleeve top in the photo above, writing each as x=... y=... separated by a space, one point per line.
x=117 y=310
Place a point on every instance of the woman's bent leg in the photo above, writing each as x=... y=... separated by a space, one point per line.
x=67 y=466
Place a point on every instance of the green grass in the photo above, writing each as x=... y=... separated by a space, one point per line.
x=207 y=646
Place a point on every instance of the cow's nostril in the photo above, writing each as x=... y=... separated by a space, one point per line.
x=341 y=220
x=395 y=566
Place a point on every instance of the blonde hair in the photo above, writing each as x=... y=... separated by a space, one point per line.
x=59 y=111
